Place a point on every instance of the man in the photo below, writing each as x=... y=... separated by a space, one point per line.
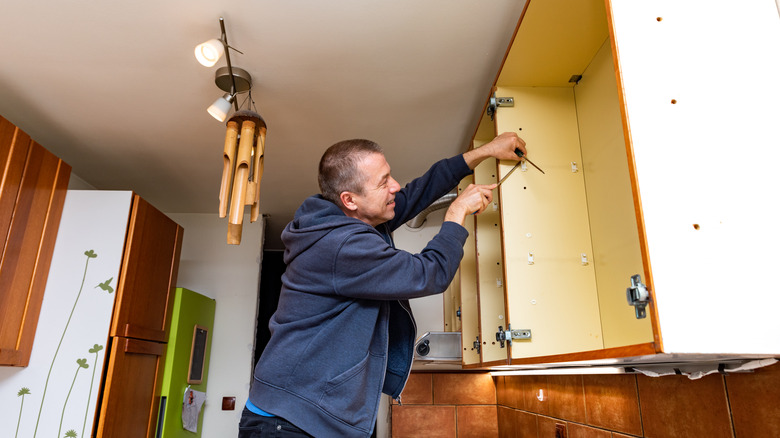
x=343 y=332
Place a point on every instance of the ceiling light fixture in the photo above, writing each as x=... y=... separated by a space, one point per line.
x=244 y=148
x=220 y=108
x=208 y=53
x=232 y=80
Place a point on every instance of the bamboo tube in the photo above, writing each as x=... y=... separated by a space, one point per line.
x=231 y=137
x=240 y=181
x=258 y=175
x=255 y=210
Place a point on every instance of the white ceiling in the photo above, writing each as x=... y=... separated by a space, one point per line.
x=113 y=87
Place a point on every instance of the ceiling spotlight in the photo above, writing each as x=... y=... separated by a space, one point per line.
x=220 y=108
x=208 y=53
x=232 y=80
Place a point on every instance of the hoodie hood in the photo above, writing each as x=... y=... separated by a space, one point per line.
x=314 y=220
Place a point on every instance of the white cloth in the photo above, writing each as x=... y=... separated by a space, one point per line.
x=697 y=371
x=190 y=410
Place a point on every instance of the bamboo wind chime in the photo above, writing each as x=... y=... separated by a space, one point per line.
x=243 y=169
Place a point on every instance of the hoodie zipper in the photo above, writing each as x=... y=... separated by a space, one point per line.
x=411 y=358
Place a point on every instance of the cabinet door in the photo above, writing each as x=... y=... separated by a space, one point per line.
x=705 y=153
x=129 y=404
x=490 y=272
x=33 y=184
x=148 y=276
x=469 y=303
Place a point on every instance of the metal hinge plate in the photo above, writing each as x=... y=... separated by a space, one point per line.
x=638 y=296
x=510 y=335
x=496 y=102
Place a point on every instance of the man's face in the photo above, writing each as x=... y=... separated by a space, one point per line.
x=376 y=204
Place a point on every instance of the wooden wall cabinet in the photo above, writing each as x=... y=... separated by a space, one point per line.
x=33 y=183
x=32 y=194
x=140 y=324
x=656 y=131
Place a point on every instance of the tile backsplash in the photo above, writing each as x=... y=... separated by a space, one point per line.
x=470 y=404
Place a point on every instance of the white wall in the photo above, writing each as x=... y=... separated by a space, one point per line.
x=76 y=183
x=230 y=274
x=428 y=311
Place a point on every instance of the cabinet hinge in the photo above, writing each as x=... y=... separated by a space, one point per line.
x=638 y=296
x=477 y=346
x=496 y=102
x=510 y=335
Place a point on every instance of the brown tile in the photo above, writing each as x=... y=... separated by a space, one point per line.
x=548 y=425
x=516 y=424
x=536 y=401
x=508 y=422
x=477 y=421
x=755 y=402
x=463 y=389
x=509 y=392
x=423 y=422
x=678 y=406
x=620 y=435
x=580 y=431
x=418 y=389
x=611 y=402
x=501 y=391
x=567 y=398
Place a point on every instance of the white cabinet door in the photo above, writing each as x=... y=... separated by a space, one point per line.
x=702 y=96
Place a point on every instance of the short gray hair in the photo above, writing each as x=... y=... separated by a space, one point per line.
x=339 y=171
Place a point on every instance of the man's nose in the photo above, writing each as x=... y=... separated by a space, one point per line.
x=394 y=186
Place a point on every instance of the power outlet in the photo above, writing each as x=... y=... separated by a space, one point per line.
x=229 y=404
x=560 y=430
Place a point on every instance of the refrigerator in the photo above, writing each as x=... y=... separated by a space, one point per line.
x=186 y=366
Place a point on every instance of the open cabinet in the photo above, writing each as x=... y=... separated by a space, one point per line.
x=654 y=124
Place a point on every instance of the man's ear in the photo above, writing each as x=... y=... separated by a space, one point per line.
x=348 y=201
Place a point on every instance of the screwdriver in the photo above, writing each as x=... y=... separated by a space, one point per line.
x=519 y=153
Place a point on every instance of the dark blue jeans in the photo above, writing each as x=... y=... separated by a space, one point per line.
x=257 y=426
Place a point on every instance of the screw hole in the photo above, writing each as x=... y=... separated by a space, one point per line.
x=659 y=19
x=696 y=226
x=674 y=101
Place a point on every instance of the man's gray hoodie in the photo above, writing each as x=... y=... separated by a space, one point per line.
x=344 y=332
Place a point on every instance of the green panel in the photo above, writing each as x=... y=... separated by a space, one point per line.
x=189 y=309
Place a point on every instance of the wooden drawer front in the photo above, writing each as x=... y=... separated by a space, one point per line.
x=32 y=193
x=129 y=398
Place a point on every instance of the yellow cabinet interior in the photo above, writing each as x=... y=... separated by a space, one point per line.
x=563 y=244
x=655 y=124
